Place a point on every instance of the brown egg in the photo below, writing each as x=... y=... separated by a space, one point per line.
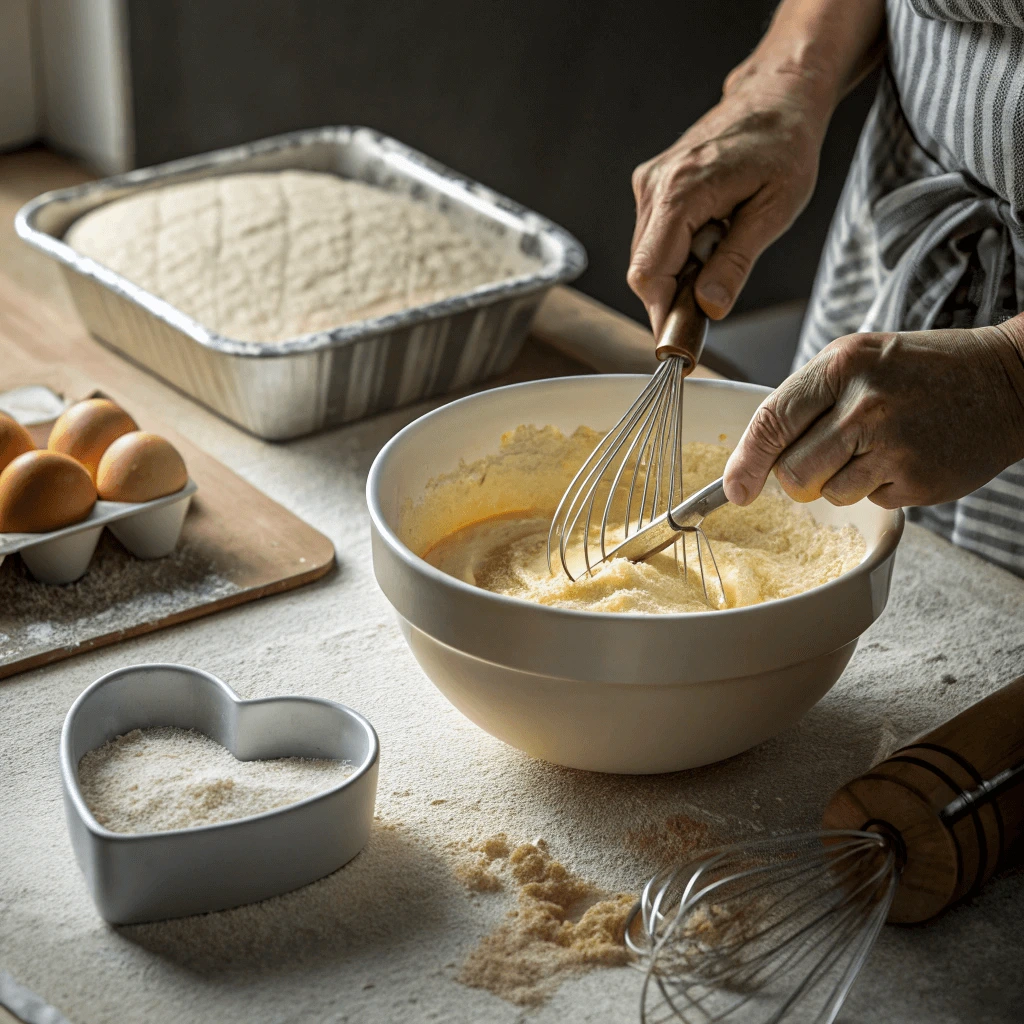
x=15 y=440
x=86 y=430
x=41 y=491
x=140 y=467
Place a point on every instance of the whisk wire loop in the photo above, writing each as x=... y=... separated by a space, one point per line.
x=723 y=951
x=841 y=922
x=763 y=931
x=634 y=455
x=633 y=477
x=588 y=476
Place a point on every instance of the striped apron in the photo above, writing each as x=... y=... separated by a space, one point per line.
x=929 y=231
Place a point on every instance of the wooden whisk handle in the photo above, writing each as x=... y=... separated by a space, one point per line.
x=954 y=798
x=686 y=325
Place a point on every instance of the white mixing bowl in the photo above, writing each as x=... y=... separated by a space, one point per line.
x=605 y=691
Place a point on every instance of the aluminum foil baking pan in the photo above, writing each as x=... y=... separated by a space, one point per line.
x=149 y=876
x=290 y=388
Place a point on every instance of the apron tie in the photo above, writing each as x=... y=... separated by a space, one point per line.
x=925 y=232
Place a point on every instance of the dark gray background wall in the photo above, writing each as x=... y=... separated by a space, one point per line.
x=550 y=101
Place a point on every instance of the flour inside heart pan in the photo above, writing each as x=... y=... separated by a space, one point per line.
x=155 y=780
x=238 y=837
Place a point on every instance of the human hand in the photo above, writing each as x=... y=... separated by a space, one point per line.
x=903 y=419
x=752 y=160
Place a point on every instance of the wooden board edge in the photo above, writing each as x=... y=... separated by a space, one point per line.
x=177 y=618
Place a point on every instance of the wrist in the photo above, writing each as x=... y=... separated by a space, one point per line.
x=1007 y=341
x=790 y=71
x=816 y=51
x=788 y=75
x=1011 y=334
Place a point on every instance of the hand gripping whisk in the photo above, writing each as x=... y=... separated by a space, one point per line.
x=634 y=478
x=778 y=930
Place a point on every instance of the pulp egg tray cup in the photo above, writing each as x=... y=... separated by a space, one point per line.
x=150 y=876
x=148 y=529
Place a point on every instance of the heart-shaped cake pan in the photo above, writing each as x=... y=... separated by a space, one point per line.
x=150 y=876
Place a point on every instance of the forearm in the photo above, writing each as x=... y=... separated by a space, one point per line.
x=821 y=48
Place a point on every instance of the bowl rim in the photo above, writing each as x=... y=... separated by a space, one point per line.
x=883 y=550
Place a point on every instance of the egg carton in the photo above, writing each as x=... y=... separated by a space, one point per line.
x=148 y=529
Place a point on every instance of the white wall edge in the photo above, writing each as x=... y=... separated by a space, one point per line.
x=83 y=67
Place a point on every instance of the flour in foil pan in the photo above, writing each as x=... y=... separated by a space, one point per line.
x=118 y=593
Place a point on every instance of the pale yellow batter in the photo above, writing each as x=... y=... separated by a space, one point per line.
x=487 y=523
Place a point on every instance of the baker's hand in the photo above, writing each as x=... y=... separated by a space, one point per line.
x=903 y=419
x=752 y=160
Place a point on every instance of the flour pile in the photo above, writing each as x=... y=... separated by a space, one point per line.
x=266 y=257
x=152 y=780
x=561 y=925
x=487 y=524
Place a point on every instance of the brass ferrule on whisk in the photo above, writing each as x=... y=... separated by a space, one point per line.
x=686 y=326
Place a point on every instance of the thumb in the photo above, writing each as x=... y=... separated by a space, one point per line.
x=726 y=272
x=779 y=420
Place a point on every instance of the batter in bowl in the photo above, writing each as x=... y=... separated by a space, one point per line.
x=487 y=524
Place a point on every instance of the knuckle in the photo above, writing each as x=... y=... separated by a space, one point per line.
x=844 y=359
x=888 y=345
x=909 y=482
x=641 y=178
x=638 y=276
x=767 y=430
x=842 y=353
x=826 y=365
x=840 y=496
x=794 y=481
x=863 y=421
x=790 y=478
x=864 y=348
x=794 y=490
x=706 y=154
x=847 y=346
x=871 y=408
x=686 y=173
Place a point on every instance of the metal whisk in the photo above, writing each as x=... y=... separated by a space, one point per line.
x=778 y=930
x=634 y=477
x=752 y=932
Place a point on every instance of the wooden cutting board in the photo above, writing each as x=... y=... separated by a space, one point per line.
x=275 y=551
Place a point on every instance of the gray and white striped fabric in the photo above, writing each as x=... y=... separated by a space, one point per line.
x=930 y=228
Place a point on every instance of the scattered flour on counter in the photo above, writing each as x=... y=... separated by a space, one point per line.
x=561 y=926
x=117 y=593
x=152 y=780
x=269 y=256
x=672 y=841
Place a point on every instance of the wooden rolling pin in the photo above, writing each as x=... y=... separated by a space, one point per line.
x=953 y=801
x=597 y=336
